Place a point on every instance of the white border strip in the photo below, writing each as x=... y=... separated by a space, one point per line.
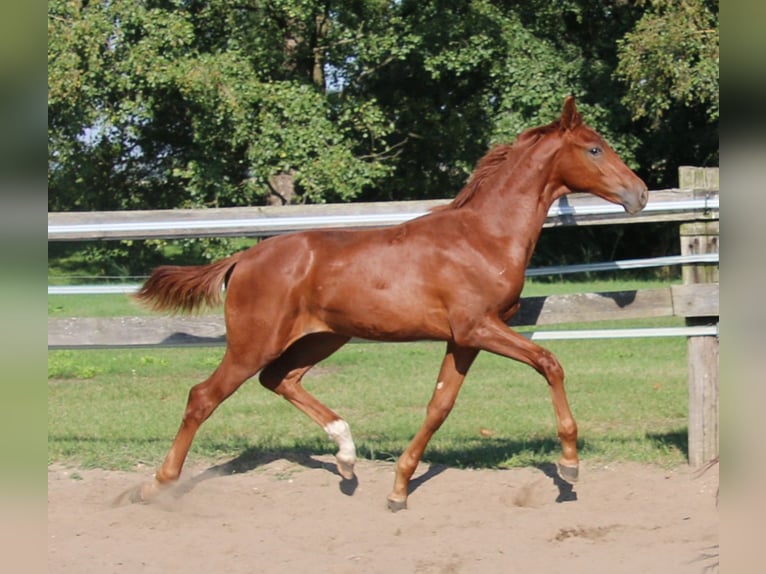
x=700 y=331
x=624 y=264
x=92 y=289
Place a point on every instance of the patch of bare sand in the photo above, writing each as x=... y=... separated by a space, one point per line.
x=293 y=516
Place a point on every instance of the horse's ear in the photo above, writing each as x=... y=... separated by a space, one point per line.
x=570 y=117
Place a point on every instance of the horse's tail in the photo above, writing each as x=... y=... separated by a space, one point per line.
x=186 y=288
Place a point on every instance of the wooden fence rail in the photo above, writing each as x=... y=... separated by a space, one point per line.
x=574 y=209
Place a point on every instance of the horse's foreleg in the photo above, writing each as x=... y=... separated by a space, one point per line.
x=496 y=337
x=454 y=367
x=284 y=375
x=203 y=399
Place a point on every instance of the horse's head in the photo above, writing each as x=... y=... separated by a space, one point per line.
x=587 y=163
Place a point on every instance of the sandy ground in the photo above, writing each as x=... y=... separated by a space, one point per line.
x=296 y=515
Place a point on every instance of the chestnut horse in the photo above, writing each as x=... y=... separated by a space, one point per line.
x=453 y=275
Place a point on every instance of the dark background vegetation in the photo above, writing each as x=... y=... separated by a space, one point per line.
x=177 y=104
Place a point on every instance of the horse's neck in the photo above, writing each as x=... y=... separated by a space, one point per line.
x=514 y=205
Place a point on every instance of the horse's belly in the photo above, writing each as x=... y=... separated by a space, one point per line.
x=386 y=319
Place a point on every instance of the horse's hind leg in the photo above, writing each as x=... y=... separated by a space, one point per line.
x=203 y=399
x=283 y=376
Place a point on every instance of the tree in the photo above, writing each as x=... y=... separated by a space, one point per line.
x=481 y=72
x=669 y=65
x=186 y=103
x=179 y=104
x=671 y=58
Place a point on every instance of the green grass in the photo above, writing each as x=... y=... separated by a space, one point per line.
x=117 y=409
x=107 y=305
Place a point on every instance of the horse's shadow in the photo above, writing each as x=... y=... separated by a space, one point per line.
x=566 y=490
x=250 y=460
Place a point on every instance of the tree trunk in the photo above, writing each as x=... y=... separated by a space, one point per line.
x=282 y=188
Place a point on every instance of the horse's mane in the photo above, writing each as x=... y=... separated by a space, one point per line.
x=499 y=156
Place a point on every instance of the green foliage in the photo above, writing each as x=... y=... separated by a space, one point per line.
x=671 y=57
x=65 y=365
x=157 y=104
x=668 y=64
x=168 y=104
x=179 y=104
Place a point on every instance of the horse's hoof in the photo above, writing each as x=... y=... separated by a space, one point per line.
x=348 y=486
x=131 y=496
x=397 y=505
x=568 y=474
x=346 y=470
x=143 y=493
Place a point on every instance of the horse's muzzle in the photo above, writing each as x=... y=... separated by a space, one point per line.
x=634 y=200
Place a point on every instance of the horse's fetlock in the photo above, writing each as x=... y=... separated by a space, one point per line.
x=340 y=432
x=568 y=430
x=163 y=477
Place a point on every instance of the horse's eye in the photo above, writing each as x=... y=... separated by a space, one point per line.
x=595 y=151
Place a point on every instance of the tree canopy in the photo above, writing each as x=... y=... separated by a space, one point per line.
x=179 y=104
x=187 y=103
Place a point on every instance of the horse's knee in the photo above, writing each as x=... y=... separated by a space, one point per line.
x=198 y=406
x=550 y=368
x=436 y=414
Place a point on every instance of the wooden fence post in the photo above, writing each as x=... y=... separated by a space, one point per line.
x=696 y=238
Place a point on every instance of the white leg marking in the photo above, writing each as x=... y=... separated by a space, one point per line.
x=439 y=385
x=339 y=431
